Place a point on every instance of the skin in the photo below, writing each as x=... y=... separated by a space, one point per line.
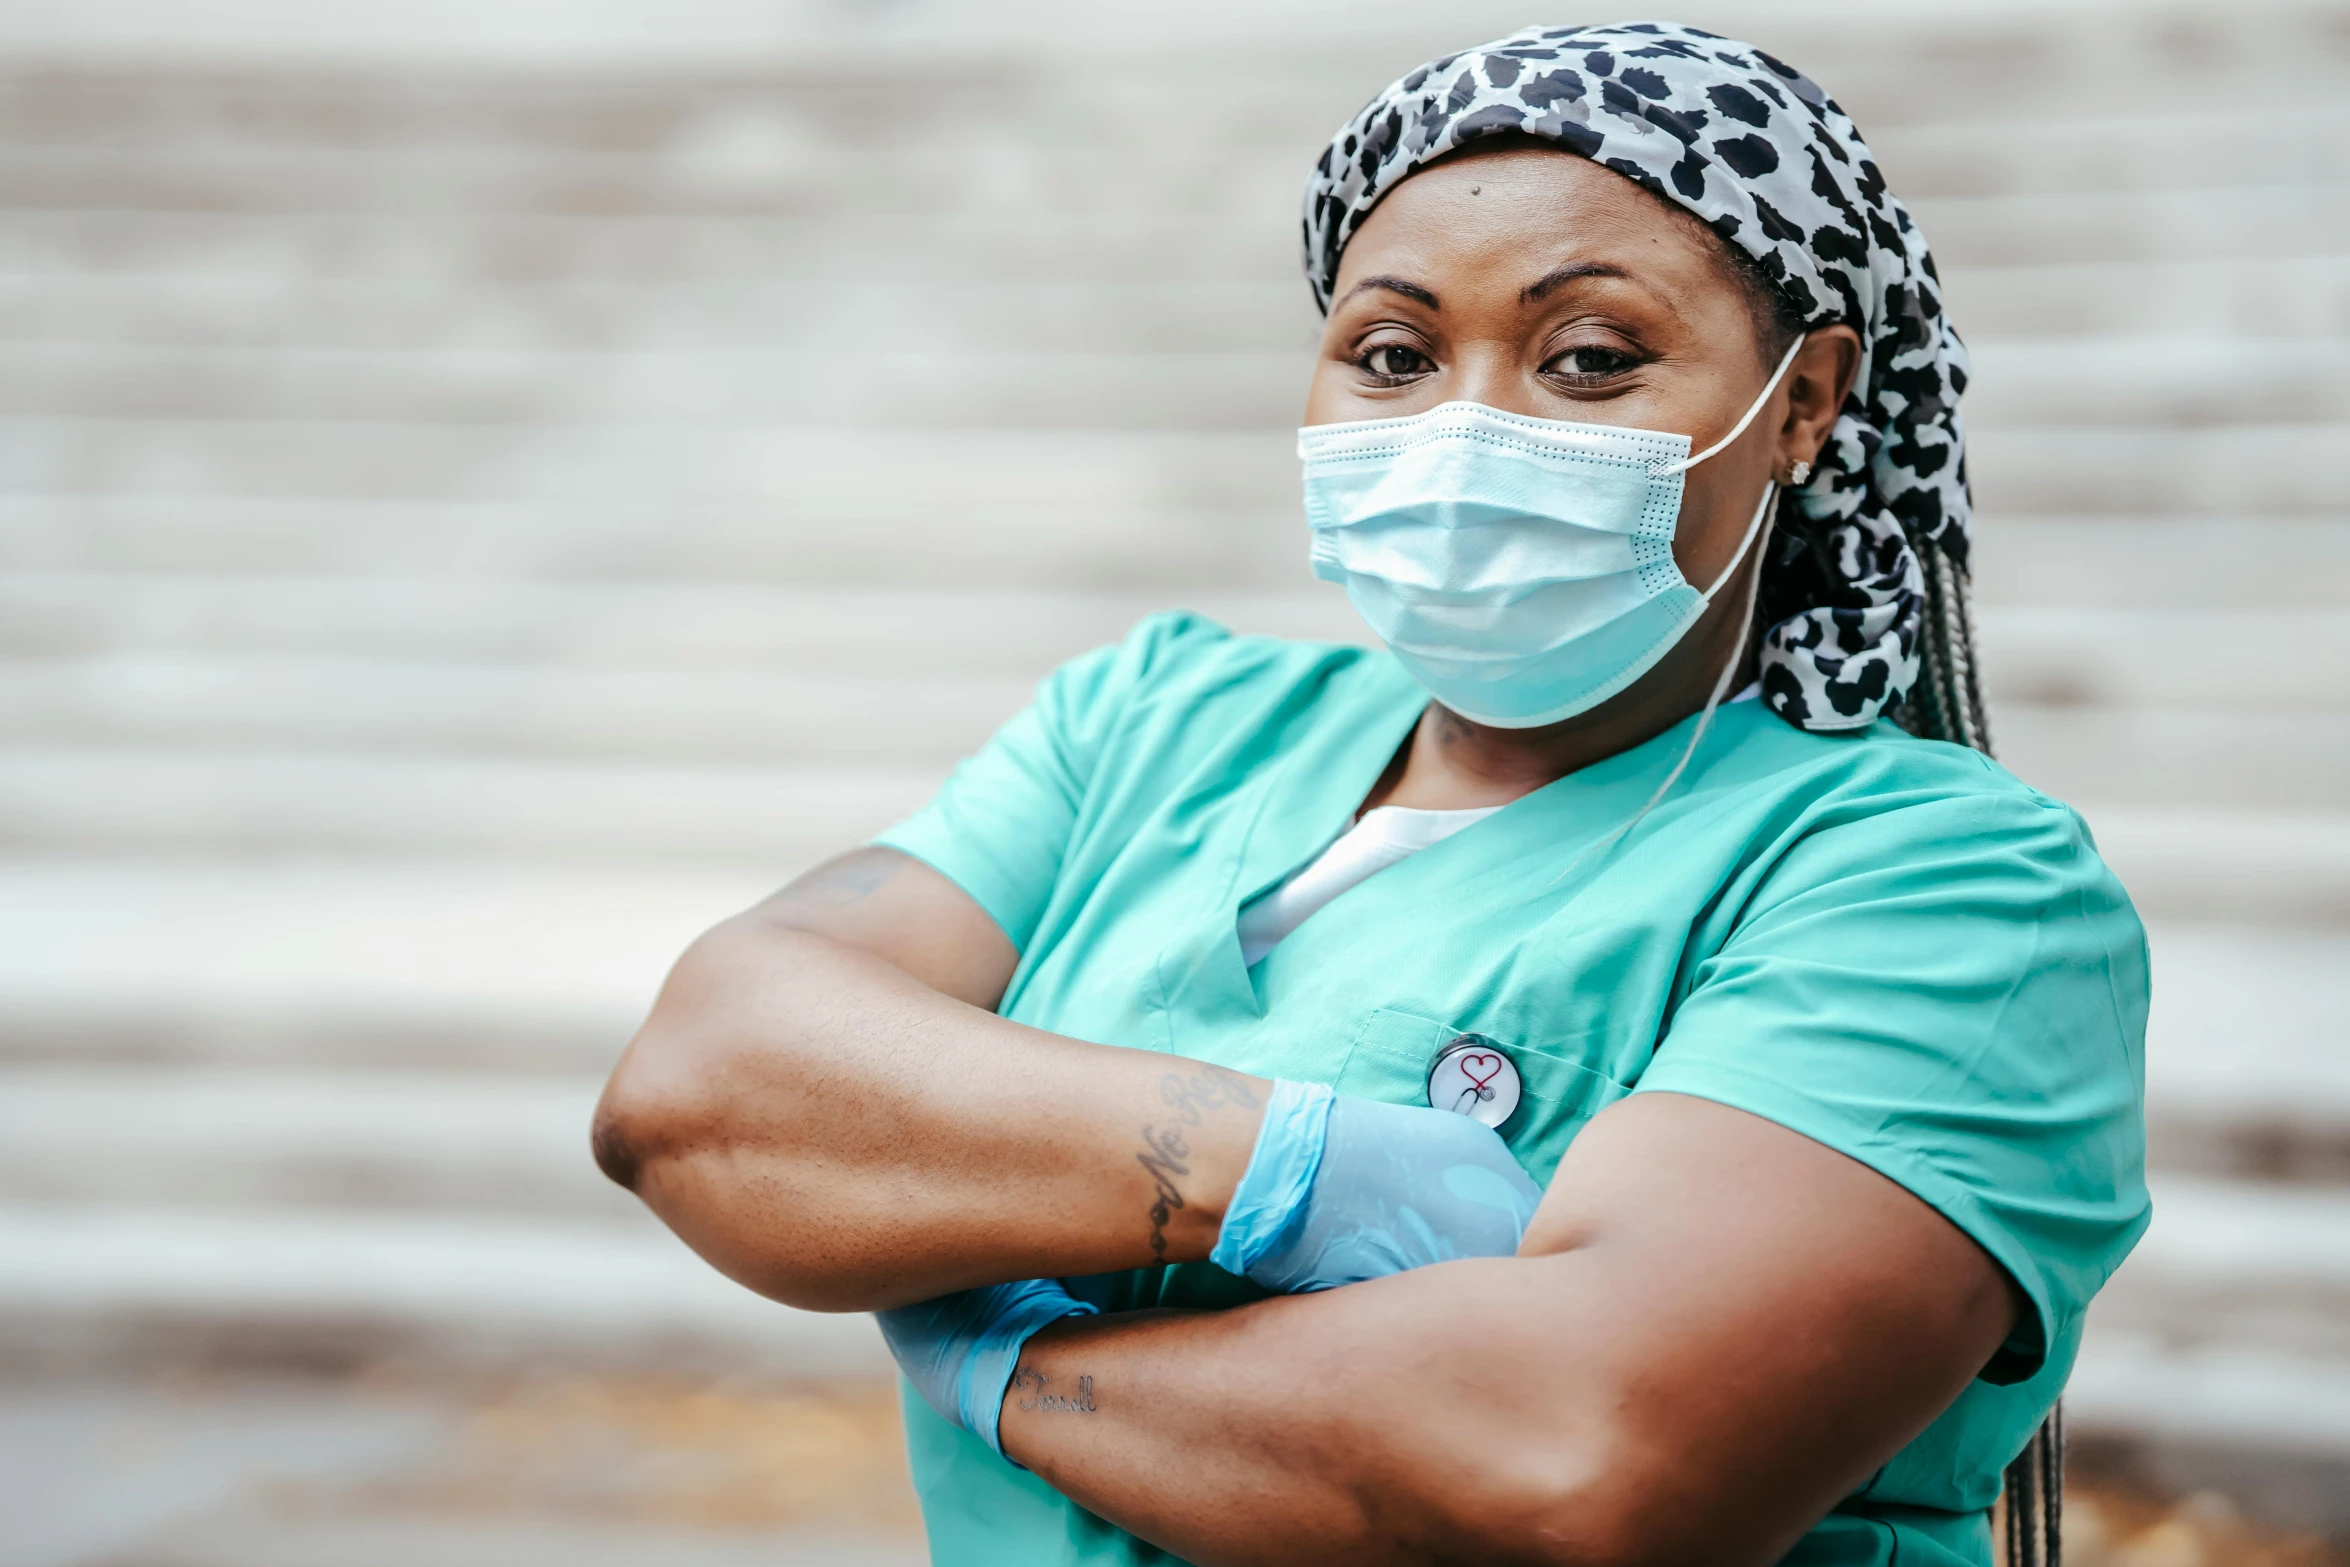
x=1737 y=1324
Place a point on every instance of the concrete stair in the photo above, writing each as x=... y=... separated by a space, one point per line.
x=482 y=498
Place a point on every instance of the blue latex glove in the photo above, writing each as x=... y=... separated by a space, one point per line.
x=960 y=1350
x=1342 y=1189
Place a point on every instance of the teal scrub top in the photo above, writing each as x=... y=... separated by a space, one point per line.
x=1887 y=944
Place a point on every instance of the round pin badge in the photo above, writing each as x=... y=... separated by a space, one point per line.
x=1472 y=1077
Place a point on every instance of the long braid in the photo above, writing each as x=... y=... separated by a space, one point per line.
x=1950 y=680
x=1955 y=630
x=1947 y=704
x=1970 y=681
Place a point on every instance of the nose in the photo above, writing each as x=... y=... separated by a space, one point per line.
x=1492 y=372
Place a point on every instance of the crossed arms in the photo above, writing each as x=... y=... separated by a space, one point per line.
x=1716 y=1328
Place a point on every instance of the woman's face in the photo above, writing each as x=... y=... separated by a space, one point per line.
x=1534 y=281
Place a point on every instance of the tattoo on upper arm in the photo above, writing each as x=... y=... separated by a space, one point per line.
x=1034 y=1384
x=1164 y=1152
x=844 y=882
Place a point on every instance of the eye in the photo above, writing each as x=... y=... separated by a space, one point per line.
x=1394 y=362
x=1589 y=363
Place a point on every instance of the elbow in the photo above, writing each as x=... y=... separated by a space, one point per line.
x=655 y=1107
x=614 y=1136
x=670 y=1097
x=701 y=1119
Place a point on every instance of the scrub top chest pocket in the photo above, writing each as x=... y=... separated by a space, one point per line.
x=1405 y=1058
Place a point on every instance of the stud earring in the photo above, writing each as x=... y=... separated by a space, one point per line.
x=1798 y=472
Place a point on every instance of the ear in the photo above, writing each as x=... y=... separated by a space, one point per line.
x=1817 y=384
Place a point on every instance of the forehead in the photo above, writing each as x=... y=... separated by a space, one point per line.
x=1500 y=210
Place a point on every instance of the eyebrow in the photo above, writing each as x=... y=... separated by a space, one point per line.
x=1397 y=285
x=1542 y=285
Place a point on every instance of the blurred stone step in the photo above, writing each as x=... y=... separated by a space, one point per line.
x=209 y=798
x=86 y=641
x=259 y=1534
x=2264 y=867
x=2234 y=1262
x=854 y=476
x=2268 y=1430
x=2185 y=766
x=542 y=971
x=2245 y=1397
x=151 y=712
x=752 y=385
x=212 y=1136
x=2234 y=756
x=2219 y=1356
x=752 y=112
x=2307 y=296
x=918 y=242
x=2297 y=299
x=2145 y=381
x=539 y=971
x=2057 y=564
x=2060 y=154
x=2277 y=470
x=2267 y=659
x=2248 y=1053
x=78 y=1490
x=242 y=1471
x=2132 y=382
x=2224 y=1268
x=1179 y=545
x=261 y=310
x=706 y=625
x=536 y=580
x=788 y=163
x=2247 y=1074
x=731 y=152
x=250 y=801
x=860 y=478
x=1918 y=63
x=368 y=705
x=816 y=252
x=140 y=1287
x=2302 y=220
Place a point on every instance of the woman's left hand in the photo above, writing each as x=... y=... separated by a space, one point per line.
x=1341 y=1189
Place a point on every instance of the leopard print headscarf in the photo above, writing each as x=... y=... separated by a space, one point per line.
x=1774 y=167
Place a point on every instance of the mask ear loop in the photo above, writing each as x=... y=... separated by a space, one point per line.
x=1738 y=429
x=1764 y=516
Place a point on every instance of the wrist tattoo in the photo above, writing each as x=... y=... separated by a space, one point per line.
x=1162 y=1155
x=1034 y=1383
x=1164 y=1151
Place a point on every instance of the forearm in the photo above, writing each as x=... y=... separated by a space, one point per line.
x=834 y=1133
x=1715 y=1329
x=1410 y=1419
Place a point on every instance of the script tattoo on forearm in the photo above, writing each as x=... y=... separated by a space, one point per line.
x=1164 y=1151
x=1042 y=1402
x=1162 y=1155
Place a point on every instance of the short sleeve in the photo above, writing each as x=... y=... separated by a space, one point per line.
x=1001 y=824
x=1951 y=990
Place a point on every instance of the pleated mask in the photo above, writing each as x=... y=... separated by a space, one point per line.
x=1520 y=568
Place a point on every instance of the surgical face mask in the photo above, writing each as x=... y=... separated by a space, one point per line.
x=1522 y=569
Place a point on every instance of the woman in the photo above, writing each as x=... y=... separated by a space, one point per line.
x=1634 y=435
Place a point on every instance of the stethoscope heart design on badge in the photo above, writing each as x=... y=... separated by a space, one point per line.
x=1473 y=1076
